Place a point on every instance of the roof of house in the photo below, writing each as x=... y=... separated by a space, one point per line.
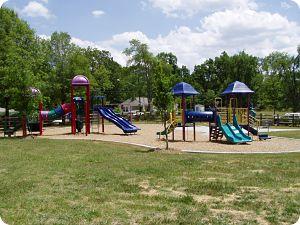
x=135 y=102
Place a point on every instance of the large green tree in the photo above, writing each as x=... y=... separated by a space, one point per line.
x=107 y=74
x=143 y=63
x=214 y=75
x=276 y=67
x=60 y=52
x=292 y=84
x=17 y=60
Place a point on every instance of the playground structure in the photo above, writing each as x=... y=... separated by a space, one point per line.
x=185 y=90
x=65 y=109
x=80 y=108
x=101 y=113
x=78 y=111
x=96 y=118
x=170 y=128
x=226 y=121
x=53 y=114
x=111 y=116
x=236 y=114
x=238 y=111
x=77 y=82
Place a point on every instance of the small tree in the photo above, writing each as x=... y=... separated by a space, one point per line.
x=163 y=98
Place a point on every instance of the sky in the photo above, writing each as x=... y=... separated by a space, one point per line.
x=194 y=30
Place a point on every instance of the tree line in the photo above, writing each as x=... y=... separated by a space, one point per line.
x=26 y=60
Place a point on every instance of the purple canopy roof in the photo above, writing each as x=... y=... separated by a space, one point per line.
x=80 y=80
x=237 y=88
x=34 y=91
x=184 y=89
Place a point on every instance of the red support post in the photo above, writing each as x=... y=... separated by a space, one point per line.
x=41 y=118
x=194 y=126
x=102 y=122
x=87 y=112
x=73 y=112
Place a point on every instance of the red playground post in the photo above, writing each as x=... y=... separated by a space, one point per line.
x=81 y=81
x=41 y=118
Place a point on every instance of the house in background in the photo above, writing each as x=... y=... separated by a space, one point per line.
x=134 y=105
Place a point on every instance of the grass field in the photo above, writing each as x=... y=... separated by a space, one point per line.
x=85 y=182
x=288 y=134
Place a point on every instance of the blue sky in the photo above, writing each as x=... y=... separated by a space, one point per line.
x=194 y=30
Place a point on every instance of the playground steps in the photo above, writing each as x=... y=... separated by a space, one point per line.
x=95 y=121
x=215 y=132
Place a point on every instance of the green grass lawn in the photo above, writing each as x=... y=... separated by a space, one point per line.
x=288 y=134
x=271 y=112
x=284 y=127
x=85 y=182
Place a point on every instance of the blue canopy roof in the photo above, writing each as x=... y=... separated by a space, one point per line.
x=184 y=89
x=237 y=88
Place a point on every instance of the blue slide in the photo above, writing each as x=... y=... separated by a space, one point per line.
x=233 y=133
x=120 y=122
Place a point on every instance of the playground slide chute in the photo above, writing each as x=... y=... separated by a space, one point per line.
x=251 y=129
x=240 y=131
x=120 y=122
x=56 y=112
x=169 y=129
x=233 y=133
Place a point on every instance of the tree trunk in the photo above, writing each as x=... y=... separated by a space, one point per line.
x=6 y=107
x=165 y=128
x=149 y=89
x=295 y=100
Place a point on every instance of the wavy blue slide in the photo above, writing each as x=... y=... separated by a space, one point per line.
x=120 y=122
x=233 y=133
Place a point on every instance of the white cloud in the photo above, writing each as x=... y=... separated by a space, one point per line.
x=83 y=43
x=183 y=8
x=36 y=9
x=98 y=13
x=2 y=2
x=297 y=2
x=45 y=1
x=285 y=5
x=46 y=37
x=116 y=53
x=258 y=33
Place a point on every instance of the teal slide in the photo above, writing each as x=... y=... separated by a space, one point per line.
x=233 y=133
